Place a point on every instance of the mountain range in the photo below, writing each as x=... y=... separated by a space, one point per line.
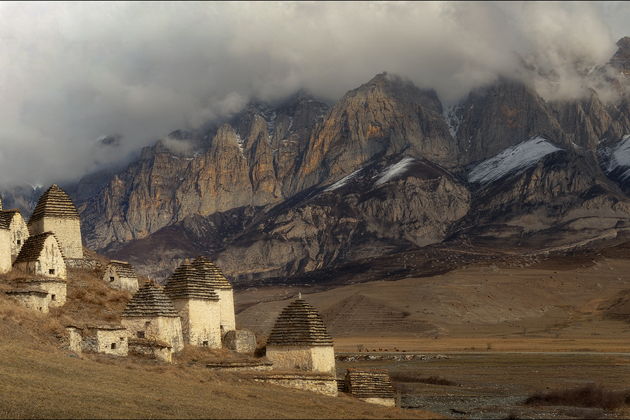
x=283 y=189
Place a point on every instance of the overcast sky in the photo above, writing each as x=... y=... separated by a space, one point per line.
x=73 y=72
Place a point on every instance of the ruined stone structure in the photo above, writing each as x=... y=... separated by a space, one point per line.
x=299 y=340
x=371 y=385
x=55 y=288
x=150 y=314
x=41 y=256
x=240 y=341
x=154 y=349
x=56 y=213
x=5 y=247
x=75 y=341
x=106 y=339
x=121 y=275
x=17 y=226
x=321 y=384
x=197 y=304
x=222 y=287
x=31 y=299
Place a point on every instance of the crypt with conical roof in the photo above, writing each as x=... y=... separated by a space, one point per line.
x=299 y=340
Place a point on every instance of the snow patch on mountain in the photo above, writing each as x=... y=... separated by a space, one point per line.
x=619 y=156
x=395 y=170
x=512 y=159
x=343 y=181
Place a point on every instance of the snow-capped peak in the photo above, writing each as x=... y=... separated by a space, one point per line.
x=620 y=157
x=512 y=159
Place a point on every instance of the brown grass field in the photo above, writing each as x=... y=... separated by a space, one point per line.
x=39 y=379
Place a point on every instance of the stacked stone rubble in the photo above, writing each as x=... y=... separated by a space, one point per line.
x=371 y=385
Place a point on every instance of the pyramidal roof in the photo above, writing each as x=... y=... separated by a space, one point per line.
x=149 y=301
x=369 y=383
x=54 y=203
x=124 y=269
x=299 y=324
x=6 y=216
x=32 y=248
x=187 y=283
x=211 y=273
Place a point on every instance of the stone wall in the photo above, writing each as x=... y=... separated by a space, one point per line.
x=115 y=281
x=19 y=234
x=226 y=300
x=5 y=251
x=319 y=384
x=49 y=259
x=74 y=339
x=200 y=322
x=312 y=359
x=67 y=231
x=153 y=350
x=84 y=264
x=240 y=341
x=108 y=341
x=167 y=329
x=35 y=301
x=56 y=290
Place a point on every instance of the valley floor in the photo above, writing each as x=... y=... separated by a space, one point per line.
x=505 y=332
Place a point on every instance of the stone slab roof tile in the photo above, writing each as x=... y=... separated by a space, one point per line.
x=299 y=324
x=124 y=269
x=54 y=203
x=187 y=283
x=6 y=216
x=32 y=248
x=149 y=301
x=210 y=272
x=369 y=383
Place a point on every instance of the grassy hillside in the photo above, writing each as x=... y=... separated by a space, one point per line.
x=41 y=379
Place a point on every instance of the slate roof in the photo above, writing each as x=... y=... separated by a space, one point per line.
x=369 y=383
x=32 y=248
x=210 y=272
x=149 y=301
x=54 y=203
x=299 y=324
x=6 y=216
x=124 y=269
x=187 y=283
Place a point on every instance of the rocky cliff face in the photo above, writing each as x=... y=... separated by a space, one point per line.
x=282 y=189
x=241 y=165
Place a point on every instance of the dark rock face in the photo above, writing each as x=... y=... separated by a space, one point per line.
x=400 y=203
x=284 y=189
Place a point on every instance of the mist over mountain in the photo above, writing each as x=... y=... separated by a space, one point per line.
x=75 y=74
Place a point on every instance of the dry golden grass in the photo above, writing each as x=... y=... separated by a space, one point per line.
x=45 y=384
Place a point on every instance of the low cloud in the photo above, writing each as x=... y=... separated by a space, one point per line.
x=75 y=72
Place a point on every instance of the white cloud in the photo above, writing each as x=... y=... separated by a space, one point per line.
x=72 y=72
